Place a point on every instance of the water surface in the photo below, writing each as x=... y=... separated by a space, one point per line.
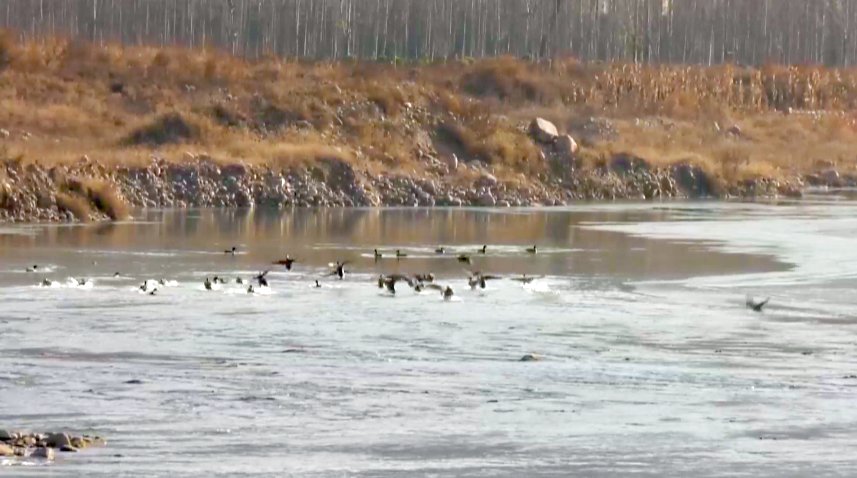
x=652 y=365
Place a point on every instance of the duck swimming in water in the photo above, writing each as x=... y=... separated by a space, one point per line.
x=287 y=262
x=532 y=250
x=35 y=268
x=378 y=255
x=483 y=249
x=231 y=251
x=440 y=250
x=757 y=306
x=464 y=258
x=207 y=284
x=400 y=254
x=47 y=283
x=317 y=284
x=239 y=280
x=250 y=289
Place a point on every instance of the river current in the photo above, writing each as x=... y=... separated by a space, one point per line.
x=650 y=362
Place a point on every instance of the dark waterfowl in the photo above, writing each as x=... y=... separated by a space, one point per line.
x=153 y=291
x=82 y=282
x=338 y=269
x=478 y=279
x=287 y=262
x=464 y=258
x=446 y=292
x=231 y=251
x=162 y=282
x=207 y=284
x=400 y=254
x=47 y=283
x=440 y=250
x=239 y=280
x=390 y=282
x=116 y=274
x=35 y=268
x=483 y=249
x=532 y=250
x=378 y=255
x=424 y=277
x=757 y=306
x=263 y=282
x=525 y=279
x=317 y=284
x=250 y=289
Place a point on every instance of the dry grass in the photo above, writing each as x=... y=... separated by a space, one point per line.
x=102 y=195
x=78 y=206
x=61 y=100
x=169 y=128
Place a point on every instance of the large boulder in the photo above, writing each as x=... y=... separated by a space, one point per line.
x=566 y=146
x=543 y=131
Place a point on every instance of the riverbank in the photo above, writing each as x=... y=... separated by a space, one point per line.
x=88 y=132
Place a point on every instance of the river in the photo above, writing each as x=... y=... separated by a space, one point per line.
x=651 y=365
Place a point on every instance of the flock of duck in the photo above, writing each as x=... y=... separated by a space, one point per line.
x=417 y=282
x=337 y=270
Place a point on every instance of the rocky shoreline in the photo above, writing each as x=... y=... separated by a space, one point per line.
x=43 y=446
x=31 y=193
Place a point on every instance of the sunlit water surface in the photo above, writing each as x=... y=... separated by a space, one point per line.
x=652 y=365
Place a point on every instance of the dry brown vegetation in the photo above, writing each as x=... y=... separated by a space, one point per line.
x=78 y=206
x=101 y=194
x=60 y=100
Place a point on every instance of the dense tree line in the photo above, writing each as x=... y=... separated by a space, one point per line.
x=688 y=31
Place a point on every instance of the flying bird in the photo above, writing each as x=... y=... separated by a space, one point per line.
x=263 y=282
x=757 y=306
x=338 y=269
x=287 y=262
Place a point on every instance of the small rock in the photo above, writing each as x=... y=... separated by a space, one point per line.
x=68 y=449
x=543 y=131
x=452 y=162
x=6 y=435
x=44 y=453
x=6 y=450
x=134 y=381
x=57 y=440
x=487 y=200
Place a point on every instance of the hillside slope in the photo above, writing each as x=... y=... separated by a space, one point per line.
x=86 y=131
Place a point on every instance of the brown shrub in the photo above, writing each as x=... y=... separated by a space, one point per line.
x=510 y=80
x=103 y=195
x=6 y=49
x=76 y=205
x=169 y=128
